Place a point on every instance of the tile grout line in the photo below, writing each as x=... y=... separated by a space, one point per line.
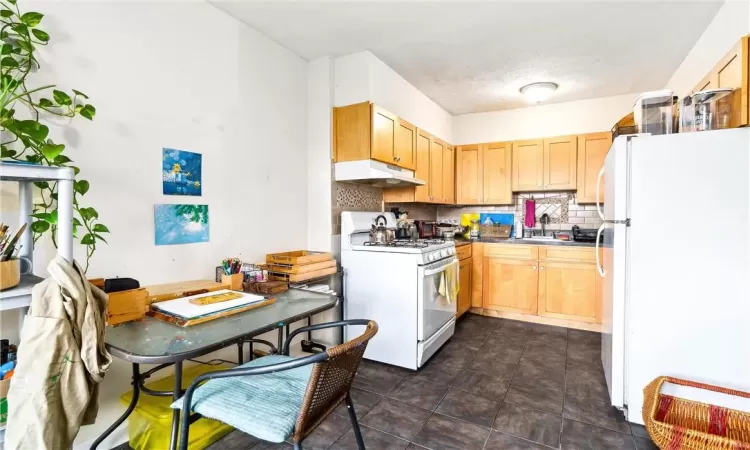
x=565 y=385
x=433 y=412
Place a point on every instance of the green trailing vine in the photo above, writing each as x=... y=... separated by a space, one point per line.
x=26 y=139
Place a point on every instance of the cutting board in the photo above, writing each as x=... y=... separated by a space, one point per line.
x=171 y=291
x=186 y=307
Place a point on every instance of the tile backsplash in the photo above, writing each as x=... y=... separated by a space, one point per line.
x=563 y=209
x=417 y=211
x=353 y=197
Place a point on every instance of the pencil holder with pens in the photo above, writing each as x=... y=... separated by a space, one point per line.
x=234 y=281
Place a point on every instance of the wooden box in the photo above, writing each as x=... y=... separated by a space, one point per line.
x=300 y=257
x=234 y=281
x=126 y=306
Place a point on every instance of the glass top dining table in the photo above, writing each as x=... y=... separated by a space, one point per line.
x=153 y=341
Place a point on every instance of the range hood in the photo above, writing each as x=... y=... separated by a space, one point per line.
x=375 y=173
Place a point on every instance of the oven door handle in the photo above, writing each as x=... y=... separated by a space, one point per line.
x=429 y=272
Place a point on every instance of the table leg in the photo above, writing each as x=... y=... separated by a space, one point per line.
x=309 y=333
x=240 y=359
x=341 y=312
x=121 y=419
x=281 y=338
x=252 y=352
x=176 y=394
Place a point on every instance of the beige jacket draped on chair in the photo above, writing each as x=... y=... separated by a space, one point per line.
x=61 y=361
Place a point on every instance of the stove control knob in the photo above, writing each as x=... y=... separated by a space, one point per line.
x=444 y=253
x=431 y=257
x=451 y=251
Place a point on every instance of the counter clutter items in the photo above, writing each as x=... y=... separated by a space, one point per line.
x=195 y=309
x=7 y=364
x=232 y=275
x=10 y=262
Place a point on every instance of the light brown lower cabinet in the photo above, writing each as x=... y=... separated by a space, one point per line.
x=570 y=291
x=510 y=284
x=464 y=286
x=559 y=283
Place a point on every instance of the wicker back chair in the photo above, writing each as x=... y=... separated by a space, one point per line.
x=329 y=383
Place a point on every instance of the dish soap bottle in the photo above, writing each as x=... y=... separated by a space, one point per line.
x=474 y=229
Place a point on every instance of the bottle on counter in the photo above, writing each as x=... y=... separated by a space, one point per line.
x=474 y=230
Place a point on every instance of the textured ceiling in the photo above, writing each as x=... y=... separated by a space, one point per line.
x=473 y=57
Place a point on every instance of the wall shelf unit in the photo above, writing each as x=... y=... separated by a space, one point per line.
x=25 y=175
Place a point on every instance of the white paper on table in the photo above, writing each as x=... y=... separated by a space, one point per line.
x=183 y=308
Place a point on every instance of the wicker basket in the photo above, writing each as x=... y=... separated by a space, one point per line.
x=676 y=424
x=495 y=231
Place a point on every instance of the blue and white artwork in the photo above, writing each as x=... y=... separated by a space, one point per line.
x=180 y=224
x=181 y=172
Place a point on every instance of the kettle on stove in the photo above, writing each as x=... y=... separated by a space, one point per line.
x=379 y=233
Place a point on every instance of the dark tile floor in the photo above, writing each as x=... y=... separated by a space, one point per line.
x=497 y=384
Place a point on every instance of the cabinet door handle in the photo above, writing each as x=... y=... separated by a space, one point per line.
x=541 y=267
x=533 y=267
x=395 y=158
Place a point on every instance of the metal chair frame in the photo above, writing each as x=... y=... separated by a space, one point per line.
x=187 y=418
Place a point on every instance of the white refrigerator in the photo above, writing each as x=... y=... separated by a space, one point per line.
x=675 y=263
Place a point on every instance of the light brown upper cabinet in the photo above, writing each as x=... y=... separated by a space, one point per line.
x=592 y=149
x=424 y=144
x=484 y=174
x=367 y=131
x=436 y=171
x=560 y=160
x=528 y=165
x=384 y=126
x=732 y=72
x=496 y=164
x=434 y=166
x=405 y=145
x=449 y=175
x=545 y=165
x=469 y=175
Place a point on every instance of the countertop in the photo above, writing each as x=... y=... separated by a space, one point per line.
x=554 y=242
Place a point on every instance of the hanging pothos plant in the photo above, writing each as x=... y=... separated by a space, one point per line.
x=26 y=138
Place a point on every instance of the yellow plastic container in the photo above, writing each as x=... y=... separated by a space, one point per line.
x=150 y=424
x=466 y=219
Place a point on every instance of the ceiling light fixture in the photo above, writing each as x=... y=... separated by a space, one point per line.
x=538 y=92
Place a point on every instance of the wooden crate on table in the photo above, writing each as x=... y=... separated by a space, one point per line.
x=126 y=306
x=298 y=257
x=300 y=265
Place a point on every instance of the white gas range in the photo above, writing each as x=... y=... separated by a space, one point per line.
x=397 y=285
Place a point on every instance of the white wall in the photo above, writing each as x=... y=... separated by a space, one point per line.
x=182 y=75
x=725 y=30
x=363 y=77
x=584 y=116
x=320 y=149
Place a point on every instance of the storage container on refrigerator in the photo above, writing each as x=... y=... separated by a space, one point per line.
x=654 y=112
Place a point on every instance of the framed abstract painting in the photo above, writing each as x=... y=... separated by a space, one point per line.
x=180 y=224
x=181 y=172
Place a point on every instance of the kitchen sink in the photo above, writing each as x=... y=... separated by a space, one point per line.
x=539 y=239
